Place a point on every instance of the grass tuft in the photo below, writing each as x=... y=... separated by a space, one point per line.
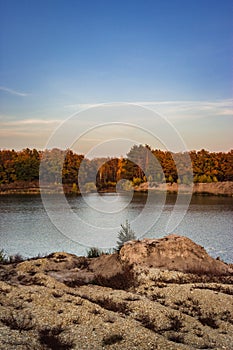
x=18 y=321
x=50 y=337
x=112 y=339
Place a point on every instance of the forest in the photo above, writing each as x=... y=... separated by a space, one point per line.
x=140 y=165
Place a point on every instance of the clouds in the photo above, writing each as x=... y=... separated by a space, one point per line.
x=32 y=133
x=13 y=92
x=175 y=110
x=202 y=124
x=28 y=122
x=180 y=110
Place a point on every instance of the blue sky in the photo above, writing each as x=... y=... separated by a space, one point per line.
x=174 y=56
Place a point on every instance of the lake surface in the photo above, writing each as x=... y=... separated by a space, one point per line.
x=94 y=220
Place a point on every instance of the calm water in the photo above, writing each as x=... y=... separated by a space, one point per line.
x=26 y=228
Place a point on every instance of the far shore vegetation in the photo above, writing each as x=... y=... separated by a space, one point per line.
x=142 y=164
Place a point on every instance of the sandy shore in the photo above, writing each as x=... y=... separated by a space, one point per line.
x=214 y=188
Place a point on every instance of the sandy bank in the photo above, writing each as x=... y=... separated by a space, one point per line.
x=214 y=188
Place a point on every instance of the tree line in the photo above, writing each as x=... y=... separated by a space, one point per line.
x=140 y=165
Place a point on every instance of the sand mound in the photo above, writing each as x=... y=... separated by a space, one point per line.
x=172 y=253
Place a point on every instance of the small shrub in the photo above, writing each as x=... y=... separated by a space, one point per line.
x=158 y=296
x=122 y=280
x=17 y=258
x=189 y=307
x=147 y=322
x=75 y=282
x=3 y=257
x=226 y=316
x=209 y=320
x=39 y=256
x=150 y=323
x=112 y=339
x=19 y=321
x=179 y=302
x=109 y=304
x=50 y=337
x=94 y=252
x=82 y=263
x=176 y=338
x=176 y=322
x=59 y=258
x=95 y=311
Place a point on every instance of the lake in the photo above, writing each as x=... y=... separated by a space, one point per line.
x=30 y=226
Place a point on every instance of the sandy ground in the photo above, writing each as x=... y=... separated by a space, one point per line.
x=66 y=302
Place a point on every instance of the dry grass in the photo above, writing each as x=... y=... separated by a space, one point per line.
x=50 y=337
x=115 y=306
x=18 y=321
x=209 y=319
x=122 y=280
x=112 y=339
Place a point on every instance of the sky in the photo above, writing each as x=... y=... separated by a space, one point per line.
x=59 y=57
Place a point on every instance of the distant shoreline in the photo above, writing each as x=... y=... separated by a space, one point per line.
x=30 y=188
x=213 y=188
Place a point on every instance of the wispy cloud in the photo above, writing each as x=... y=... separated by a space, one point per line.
x=23 y=133
x=13 y=92
x=80 y=106
x=175 y=109
x=29 y=122
x=191 y=109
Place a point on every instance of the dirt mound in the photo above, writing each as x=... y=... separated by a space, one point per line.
x=172 y=253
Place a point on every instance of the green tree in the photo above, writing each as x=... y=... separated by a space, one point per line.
x=27 y=165
x=125 y=234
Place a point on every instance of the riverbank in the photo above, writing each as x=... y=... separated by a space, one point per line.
x=119 y=301
x=214 y=188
